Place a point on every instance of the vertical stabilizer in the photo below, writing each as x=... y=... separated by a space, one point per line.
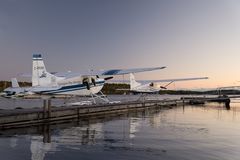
x=133 y=83
x=14 y=83
x=40 y=76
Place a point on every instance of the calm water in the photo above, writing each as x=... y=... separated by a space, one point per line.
x=193 y=132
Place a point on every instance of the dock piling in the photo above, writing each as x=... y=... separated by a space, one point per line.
x=47 y=108
x=227 y=104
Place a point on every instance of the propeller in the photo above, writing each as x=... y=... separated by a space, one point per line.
x=93 y=81
x=108 y=78
x=162 y=87
x=86 y=83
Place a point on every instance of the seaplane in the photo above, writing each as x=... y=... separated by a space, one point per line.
x=15 y=90
x=153 y=86
x=46 y=83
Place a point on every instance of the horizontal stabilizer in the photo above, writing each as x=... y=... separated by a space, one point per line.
x=14 y=83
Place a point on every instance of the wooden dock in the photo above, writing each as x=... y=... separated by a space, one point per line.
x=50 y=114
x=202 y=100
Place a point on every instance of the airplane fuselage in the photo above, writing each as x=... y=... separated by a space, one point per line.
x=79 y=89
x=145 y=89
x=71 y=89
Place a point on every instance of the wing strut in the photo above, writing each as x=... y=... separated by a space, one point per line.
x=165 y=87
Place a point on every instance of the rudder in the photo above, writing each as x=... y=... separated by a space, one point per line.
x=40 y=76
x=14 y=83
x=133 y=82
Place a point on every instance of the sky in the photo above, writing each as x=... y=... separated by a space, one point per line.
x=192 y=38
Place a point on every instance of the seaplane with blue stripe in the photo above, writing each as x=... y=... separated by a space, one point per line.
x=45 y=83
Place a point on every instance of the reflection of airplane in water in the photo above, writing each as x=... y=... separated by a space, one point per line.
x=70 y=138
x=75 y=136
x=126 y=132
x=109 y=133
x=45 y=83
x=134 y=126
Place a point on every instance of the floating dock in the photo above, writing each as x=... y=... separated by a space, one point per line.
x=47 y=114
x=202 y=100
x=50 y=114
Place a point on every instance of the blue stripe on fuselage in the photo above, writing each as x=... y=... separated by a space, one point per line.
x=71 y=88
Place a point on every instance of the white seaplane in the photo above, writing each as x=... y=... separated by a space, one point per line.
x=153 y=86
x=45 y=83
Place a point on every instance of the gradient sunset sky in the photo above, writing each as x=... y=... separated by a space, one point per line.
x=192 y=38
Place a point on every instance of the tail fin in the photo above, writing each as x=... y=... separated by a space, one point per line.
x=40 y=76
x=133 y=82
x=14 y=83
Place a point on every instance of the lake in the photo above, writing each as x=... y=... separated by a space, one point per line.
x=202 y=132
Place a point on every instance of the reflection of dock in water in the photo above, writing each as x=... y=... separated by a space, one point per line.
x=93 y=132
x=73 y=136
x=51 y=114
x=48 y=137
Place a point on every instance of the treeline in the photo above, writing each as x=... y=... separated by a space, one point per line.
x=124 y=89
x=210 y=92
x=113 y=88
x=181 y=92
x=6 y=84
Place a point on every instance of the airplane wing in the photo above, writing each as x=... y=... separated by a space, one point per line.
x=127 y=71
x=156 y=81
x=175 y=80
x=110 y=72
x=170 y=81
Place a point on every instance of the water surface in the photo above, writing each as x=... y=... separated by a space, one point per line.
x=184 y=133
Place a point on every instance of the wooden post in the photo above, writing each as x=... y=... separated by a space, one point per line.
x=45 y=108
x=227 y=104
x=49 y=108
x=46 y=133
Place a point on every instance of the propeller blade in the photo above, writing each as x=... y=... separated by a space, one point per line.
x=87 y=85
x=107 y=78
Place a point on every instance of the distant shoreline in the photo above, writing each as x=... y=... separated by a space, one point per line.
x=112 y=88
